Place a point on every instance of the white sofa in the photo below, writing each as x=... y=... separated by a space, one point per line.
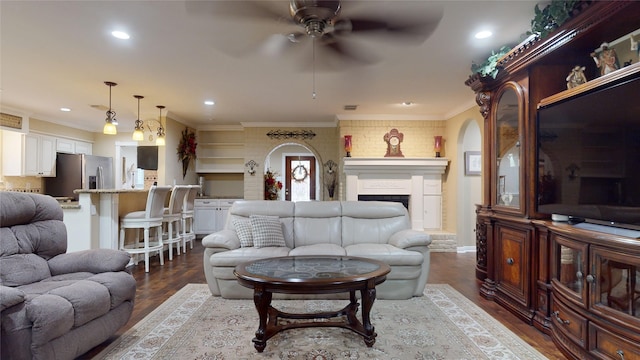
x=371 y=229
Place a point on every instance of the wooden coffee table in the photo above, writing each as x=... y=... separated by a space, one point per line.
x=313 y=275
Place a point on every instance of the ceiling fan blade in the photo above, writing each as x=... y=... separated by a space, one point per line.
x=255 y=10
x=414 y=31
x=349 y=51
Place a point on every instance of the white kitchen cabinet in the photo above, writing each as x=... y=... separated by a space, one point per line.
x=83 y=147
x=28 y=154
x=73 y=146
x=210 y=215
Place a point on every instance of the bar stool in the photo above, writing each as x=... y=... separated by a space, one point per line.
x=172 y=218
x=150 y=217
x=188 y=234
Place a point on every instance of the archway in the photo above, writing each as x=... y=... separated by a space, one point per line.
x=275 y=161
x=469 y=187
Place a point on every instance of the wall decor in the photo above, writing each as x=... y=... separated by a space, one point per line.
x=252 y=165
x=288 y=134
x=472 y=163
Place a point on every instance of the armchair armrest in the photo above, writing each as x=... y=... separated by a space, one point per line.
x=10 y=296
x=94 y=261
x=227 y=239
x=410 y=238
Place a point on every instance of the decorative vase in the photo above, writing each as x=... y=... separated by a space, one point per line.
x=347 y=145
x=437 y=145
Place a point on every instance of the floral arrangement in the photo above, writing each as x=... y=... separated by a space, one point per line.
x=271 y=186
x=186 y=149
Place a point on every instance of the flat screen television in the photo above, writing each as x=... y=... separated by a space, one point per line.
x=148 y=157
x=589 y=156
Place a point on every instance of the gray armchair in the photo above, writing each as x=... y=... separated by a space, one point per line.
x=55 y=305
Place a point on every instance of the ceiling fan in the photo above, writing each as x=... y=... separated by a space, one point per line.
x=335 y=33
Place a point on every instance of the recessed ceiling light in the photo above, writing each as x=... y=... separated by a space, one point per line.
x=407 y=103
x=483 y=34
x=120 y=35
x=65 y=109
x=209 y=102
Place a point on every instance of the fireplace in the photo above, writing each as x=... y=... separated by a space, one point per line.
x=403 y=199
x=417 y=179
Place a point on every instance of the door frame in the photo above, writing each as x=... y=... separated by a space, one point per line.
x=313 y=193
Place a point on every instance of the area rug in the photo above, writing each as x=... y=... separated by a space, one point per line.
x=443 y=324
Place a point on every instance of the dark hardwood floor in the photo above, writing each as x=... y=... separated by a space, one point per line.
x=457 y=270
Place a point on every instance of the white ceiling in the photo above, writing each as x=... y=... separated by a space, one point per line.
x=59 y=53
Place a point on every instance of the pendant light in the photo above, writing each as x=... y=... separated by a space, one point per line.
x=110 y=125
x=161 y=135
x=138 y=133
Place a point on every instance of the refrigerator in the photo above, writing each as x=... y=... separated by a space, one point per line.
x=79 y=171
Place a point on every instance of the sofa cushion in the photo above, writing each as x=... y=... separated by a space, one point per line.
x=21 y=269
x=386 y=253
x=9 y=297
x=317 y=222
x=243 y=229
x=318 y=249
x=232 y=258
x=89 y=299
x=267 y=231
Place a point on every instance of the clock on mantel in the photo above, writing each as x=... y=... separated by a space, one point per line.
x=393 y=139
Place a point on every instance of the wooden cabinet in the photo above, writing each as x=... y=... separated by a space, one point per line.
x=220 y=150
x=210 y=215
x=596 y=297
x=28 y=154
x=515 y=243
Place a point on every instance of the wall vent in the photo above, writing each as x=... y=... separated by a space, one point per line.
x=350 y=107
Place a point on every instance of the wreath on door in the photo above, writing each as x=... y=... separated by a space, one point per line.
x=299 y=173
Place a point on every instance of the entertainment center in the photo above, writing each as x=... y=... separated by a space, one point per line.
x=571 y=151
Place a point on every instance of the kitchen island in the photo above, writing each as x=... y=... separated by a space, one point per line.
x=95 y=222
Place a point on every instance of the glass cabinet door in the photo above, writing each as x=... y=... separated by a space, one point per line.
x=570 y=268
x=615 y=285
x=507 y=148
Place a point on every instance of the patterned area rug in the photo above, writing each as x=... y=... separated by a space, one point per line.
x=443 y=324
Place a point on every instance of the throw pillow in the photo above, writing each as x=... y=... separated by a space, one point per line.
x=267 y=231
x=243 y=229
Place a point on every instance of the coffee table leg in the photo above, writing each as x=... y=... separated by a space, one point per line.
x=262 y=300
x=368 y=297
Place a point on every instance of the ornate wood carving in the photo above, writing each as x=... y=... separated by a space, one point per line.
x=483 y=99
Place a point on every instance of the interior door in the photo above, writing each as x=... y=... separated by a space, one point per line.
x=300 y=178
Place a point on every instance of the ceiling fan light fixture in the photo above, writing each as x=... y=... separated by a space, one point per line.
x=110 y=122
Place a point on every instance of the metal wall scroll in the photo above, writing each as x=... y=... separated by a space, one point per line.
x=252 y=165
x=287 y=134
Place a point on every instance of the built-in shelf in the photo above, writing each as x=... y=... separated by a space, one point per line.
x=220 y=151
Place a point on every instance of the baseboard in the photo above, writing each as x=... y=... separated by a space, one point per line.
x=466 y=249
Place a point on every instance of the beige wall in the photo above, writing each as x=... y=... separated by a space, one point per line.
x=258 y=146
x=60 y=130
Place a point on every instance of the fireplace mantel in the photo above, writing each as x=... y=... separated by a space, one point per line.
x=420 y=178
